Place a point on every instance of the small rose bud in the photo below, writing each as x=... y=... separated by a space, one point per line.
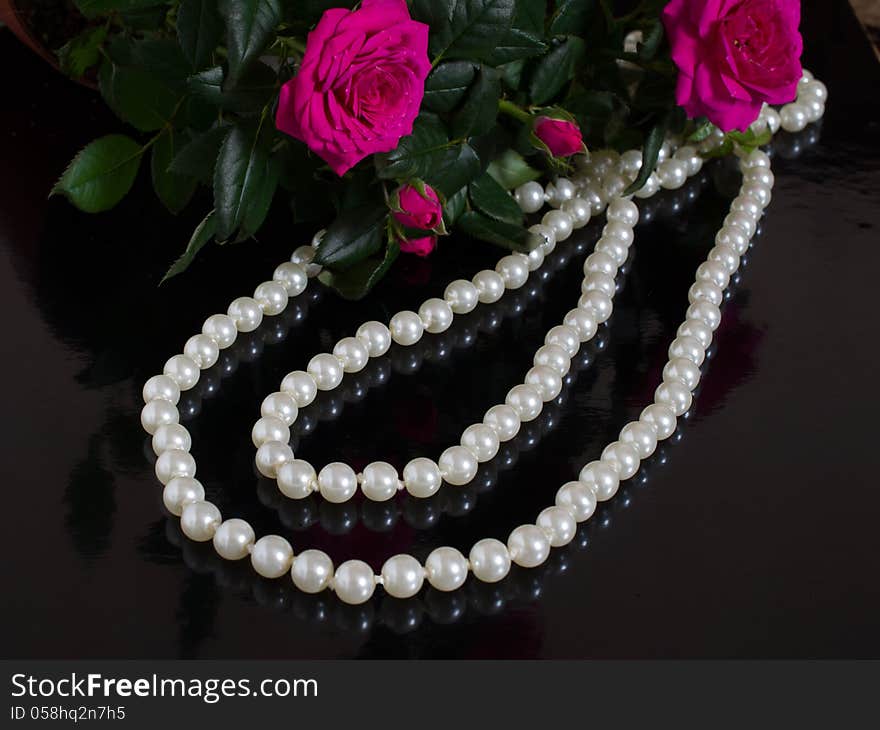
x=561 y=137
x=419 y=209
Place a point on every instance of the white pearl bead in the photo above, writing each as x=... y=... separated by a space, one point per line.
x=458 y=465
x=565 y=337
x=600 y=263
x=171 y=436
x=689 y=156
x=161 y=387
x=158 y=413
x=326 y=370
x=375 y=336
x=714 y=273
x=354 y=582
x=558 y=524
x=553 y=356
x=578 y=498
x=815 y=89
x=758 y=176
x=406 y=328
x=303 y=256
x=675 y=395
x=514 y=270
x=292 y=277
x=279 y=405
x=814 y=109
x=622 y=457
x=700 y=331
x=202 y=350
x=559 y=191
x=684 y=371
x=462 y=296
x=755 y=158
x=614 y=185
x=725 y=256
x=271 y=296
x=598 y=303
x=180 y=492
x=233 y=539
x=271 y=556
x=490 y=560
x=640 y=436
x=705 y=312
x=561 y=223
x=599 y=282
x=182 y=370
x=793 y=117
x=661 y=418
x=352 y=353
x=270 y=456
x=535 y=258
x=402 y=576
x=546 y=237
x=618 y=231
x=604 y=160
x=624 y=212
x=672 y=173
x=200 y=520
x=436 y=315
x=174 y=463
x=705 y=291
x=269 y=429
x=297 y=479
x=503 y=420
x=220 y=328
x=421 y=477
x=489 y=285
x=579 y=210
x=746 y=204
x=593 y=195
x=616 y=249
x=688 y=348
x=582 y=322
x=602 y=478
x=528 y=546
x=771 y=116
x=744 y=222
x=380 y=482
x=545 y=380
x=337 y=482
x=482 y=441
x=734 y=237
x=631 y=162
x=526 y=401
x=312 y=571
x=300 y=386
x=759 y=191
x=446 y=569
x=530 y=197
x=246 y=313
x=650 y=188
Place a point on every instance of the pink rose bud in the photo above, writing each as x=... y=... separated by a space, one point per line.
x=563 y=138
x=360 y=84
x=419 y=210
x=419 y=246
x=733 y=57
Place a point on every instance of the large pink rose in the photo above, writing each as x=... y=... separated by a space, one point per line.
x=360 y=84
x=734 y=55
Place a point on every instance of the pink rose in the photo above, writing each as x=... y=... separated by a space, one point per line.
x=563 y=138
x=418 y=210
x=734 y=55
x=360 y=84
x=419 y=246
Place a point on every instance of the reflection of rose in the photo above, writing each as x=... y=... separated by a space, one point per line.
x=360 y=84
x=734 y=55
x=419 y=246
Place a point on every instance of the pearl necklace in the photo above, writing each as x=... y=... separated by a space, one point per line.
x=602 y=178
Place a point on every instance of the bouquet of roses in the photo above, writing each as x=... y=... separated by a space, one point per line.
x=394 y=123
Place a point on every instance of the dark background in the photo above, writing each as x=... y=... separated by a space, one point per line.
x=752 y=533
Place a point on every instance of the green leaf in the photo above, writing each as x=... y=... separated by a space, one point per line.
x=702 y=129
x=79 y=54
x=252 y=92
x=650 y=155
x=416 y=154
x=454 y=169
x=511 y=170
x=101 y=173
x=173 y=189
x=479 y=110
x=515 y=238
x=98 y=7
x=136 y=96
x=354 y=283
x=199 y=30
x=529 y=16
x=203 y=233
x=199 y=156
x=467 y=29
x=493 y=200
x=651 y=40
x=237 y=176
x=455 y=206
x=250 y=24
x=571 y=16
x=515 y=45
x=355 y=235
x=446 y=85
x=261 y=201
x=163 y=58
x=555 y=70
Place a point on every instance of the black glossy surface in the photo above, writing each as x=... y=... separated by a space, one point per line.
x=753 y=534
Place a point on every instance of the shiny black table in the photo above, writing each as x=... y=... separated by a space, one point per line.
x=752 y=533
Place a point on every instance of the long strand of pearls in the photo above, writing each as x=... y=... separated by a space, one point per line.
x=446 y=568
